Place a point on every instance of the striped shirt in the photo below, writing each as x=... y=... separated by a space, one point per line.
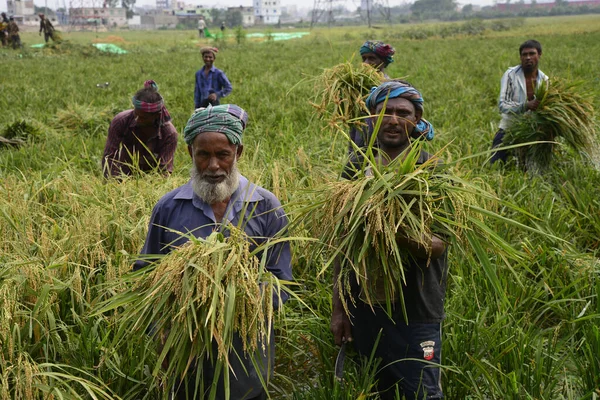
x=124 y=147
x=513 y=93
x=215 y=82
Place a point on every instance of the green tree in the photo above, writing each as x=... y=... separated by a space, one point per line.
x=217 y=16
x=233 y=18
x=128 y=4
x=432 y=7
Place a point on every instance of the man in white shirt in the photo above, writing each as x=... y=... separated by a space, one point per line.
x=201 y=27
x=517 y=91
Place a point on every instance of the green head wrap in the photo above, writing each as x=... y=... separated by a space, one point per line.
x=227 y=119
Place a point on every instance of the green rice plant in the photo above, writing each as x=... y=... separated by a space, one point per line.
x=342 y=91
x=23 y=129
x=363 y=219
x=565 y=113
x=201 y=294
x=57 y=36
x=28 y=380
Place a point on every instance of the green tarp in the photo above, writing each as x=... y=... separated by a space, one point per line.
x=37 y=46
x=279 y=35
x=109 y=48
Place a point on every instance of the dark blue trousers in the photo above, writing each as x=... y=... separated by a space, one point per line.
x=407 y=352
x=500 y=155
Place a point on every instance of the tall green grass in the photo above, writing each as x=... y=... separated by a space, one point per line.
x=515 y=328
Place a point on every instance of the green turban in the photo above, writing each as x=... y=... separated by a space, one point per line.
x=227 y=119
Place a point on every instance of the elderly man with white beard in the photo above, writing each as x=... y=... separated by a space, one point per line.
x=218 y=195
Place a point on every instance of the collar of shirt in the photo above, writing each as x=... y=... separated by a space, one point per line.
x=245 y=193
x=132 y=124
x=520 y=75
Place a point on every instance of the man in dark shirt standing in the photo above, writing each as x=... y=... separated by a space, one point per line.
x=13 y=33
x=47 y=28
x=402 y=345
x=141 y=139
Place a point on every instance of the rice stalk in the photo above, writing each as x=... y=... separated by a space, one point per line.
x=362 y=220
x=85 y=118
x=201 y=294
x=565 y=114
x=342 y=91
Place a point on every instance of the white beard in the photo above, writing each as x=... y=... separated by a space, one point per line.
x=213 y=193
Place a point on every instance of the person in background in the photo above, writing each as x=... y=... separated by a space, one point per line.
x=4 y=30
x=46 y=27
x=201 y=27
x=13 y=33
x=378 y=55
x=142 y=139
x=517 y=92
x=211 y=83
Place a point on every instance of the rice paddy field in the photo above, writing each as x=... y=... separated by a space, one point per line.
x=520 y=327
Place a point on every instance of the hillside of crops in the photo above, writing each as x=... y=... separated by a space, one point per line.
x=522 y=323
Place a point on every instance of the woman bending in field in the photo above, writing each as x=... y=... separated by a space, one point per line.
x=142 y=139
x=211 y=83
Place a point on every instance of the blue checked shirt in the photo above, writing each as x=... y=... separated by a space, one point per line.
x=215 y=82
x=513 y=93
x=182 y=212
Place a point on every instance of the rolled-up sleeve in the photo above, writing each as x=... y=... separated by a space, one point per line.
x=225 y=85
x=197 y=93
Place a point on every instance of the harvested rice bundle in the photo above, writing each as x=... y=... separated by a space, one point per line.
x=83 y=118
x=342 y=90
x=565 y=113
x=200 y=294
x=362 y=220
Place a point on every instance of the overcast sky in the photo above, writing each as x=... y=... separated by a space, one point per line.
x=351 y=4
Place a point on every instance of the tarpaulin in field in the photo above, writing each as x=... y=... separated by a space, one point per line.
x=278 y=35
x=109 y=48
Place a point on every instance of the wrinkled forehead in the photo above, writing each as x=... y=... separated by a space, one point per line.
x=213 y=141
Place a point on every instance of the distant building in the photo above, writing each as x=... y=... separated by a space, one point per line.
x=267 y=11
x=22 y=10
x=110 y=16
x=247 y=15
x=157 y=21
x=163 y=4
x=193 y=11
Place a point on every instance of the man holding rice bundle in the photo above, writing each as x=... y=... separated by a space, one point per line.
x=218 y=195
x=409 y=351
x=517 y=92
